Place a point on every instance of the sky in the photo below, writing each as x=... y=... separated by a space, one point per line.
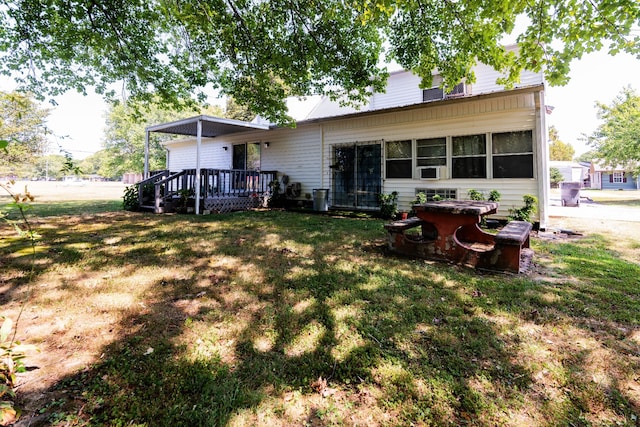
x=79 y=121
x=597 y=77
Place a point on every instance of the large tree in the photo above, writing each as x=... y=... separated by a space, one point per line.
x=261 y=51
x=617 y=139
x=23 y=123
x=124 y=138
x=559 y=150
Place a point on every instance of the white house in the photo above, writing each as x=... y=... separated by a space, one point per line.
x=571 y=171
x=407 y=139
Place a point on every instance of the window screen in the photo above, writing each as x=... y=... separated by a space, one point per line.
x=469 y=156
x=512 y=154
x=398 y=159
x=431 y=152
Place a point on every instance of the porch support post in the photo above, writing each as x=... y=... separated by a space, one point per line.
x=146 y=154
x=543 y=162
x=197 y=183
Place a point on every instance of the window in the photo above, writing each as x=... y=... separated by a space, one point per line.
x=246 y=156
x=431 y=152
x=618 y=178
x=512 y=154
x=437 y=93
x=469 y=156
x=398 y=159
x=443 y=193
x=432 y=94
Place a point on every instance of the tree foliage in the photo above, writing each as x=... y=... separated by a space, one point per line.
x=555 y=177
x=233 y=110
x=617 y=139
x=23 y=122
x=125 y=137
x=559 y=150
x=261 y=51
x=588 y=156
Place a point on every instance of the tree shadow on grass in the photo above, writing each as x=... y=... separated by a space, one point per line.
x=274 y=303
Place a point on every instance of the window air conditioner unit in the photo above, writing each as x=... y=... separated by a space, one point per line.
x=458 y=90
x=429 y=172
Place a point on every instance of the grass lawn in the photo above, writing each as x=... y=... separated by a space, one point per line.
x=278 y=318
x=613 y=198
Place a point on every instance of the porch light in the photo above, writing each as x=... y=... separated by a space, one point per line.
x=225 y=148
x=266 y=144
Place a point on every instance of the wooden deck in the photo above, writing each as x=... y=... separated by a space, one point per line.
x=221 y=190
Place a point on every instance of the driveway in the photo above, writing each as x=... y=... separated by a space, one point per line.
x=592 y=210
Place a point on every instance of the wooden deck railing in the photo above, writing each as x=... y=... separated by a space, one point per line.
x=169 y=186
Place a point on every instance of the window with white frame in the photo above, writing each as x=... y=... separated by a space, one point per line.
x=512 y=154
x=431 y=152
x=487 y=155
x=399 y=159
x=469 y=156
x=442 y=193
x=618 y=177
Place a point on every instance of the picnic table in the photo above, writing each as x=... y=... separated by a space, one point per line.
x=450 y=231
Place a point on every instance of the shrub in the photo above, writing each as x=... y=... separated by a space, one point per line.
x=12 y=355
x=388 y=205
x=524 y=213
x=475 y=195
x=130 y=200
x=494 y=195
x=276 y=196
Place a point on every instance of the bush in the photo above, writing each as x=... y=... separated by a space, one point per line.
x=524 y=213
x=494 y=195
x=12 y=355
x=276 y=196
x=130 y=200
x=388 y=205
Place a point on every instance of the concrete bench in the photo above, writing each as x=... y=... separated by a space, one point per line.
x=515 y=233
x=509 y=245
x=403 y=224
x=410 y=244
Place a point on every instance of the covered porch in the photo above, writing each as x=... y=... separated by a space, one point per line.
x=199 y=189
x=219 y=190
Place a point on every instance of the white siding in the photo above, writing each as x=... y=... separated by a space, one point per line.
x=498 y=114
x=486 y=80
x=403 y=88
x=294 y=152
x=305 y=153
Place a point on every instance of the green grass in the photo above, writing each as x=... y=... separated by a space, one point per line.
x=232 y=319
x=78 y=207
x=627 y=198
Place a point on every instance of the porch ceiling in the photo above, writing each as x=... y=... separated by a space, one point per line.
x=211 y=126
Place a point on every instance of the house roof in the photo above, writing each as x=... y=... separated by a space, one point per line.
x=446 y=101
x=597 y=167
x=217 y=126
x=211 y=126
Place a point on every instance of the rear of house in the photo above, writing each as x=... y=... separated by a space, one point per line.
x=407 y=140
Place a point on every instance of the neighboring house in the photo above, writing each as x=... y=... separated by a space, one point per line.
x=572 y=171
x=408 y=140
x=612 y=178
